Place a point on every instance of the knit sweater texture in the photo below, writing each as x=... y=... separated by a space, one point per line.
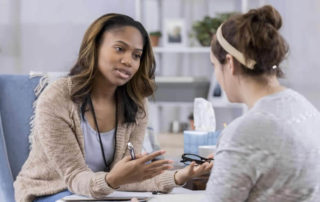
x=57 y=158
x=270 y=154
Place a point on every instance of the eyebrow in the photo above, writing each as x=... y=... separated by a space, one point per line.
x=124 y=43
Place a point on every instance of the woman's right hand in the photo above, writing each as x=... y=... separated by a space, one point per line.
x=128 y=171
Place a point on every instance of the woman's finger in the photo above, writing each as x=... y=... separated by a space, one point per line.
x=159 y=163
x=192 y=166
x=151 y=175
x=141 y=155
x=151 y=156
x=160 y=168
x=210 y=156
x=126 y=158
x=134 y=200
x=199 y=169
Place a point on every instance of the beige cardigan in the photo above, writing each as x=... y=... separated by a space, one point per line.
x=56 y=161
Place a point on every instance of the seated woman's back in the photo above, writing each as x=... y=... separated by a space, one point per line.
x=271 y=153
x=277 y=146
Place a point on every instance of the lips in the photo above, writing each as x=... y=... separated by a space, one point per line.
x=124 y=74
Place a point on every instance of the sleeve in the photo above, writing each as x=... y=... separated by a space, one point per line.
x=241 y=160
x=54 y=126
x=163 y=182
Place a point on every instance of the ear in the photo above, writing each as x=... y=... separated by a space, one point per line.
x=230 y=64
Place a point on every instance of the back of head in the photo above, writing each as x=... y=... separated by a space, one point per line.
x=256 y=35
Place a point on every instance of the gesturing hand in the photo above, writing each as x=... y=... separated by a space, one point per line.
x=128 y=171
x=193 y=170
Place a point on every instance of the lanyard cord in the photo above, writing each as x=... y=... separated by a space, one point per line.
x=100 y=141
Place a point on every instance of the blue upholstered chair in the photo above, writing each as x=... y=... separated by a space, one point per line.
x=16 y=100
x=16 y=108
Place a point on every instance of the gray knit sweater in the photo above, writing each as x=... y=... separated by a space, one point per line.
x=57 y=158
x=270 y=154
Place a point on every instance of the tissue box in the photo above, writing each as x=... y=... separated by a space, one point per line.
x=194 y=139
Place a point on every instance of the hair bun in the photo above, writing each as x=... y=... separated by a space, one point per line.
x=268 y=14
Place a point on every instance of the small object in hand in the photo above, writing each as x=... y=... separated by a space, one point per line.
x=131 y=151
x=187 y=158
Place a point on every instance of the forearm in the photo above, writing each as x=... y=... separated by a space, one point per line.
x=163 y=182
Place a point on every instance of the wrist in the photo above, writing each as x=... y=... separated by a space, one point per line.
x=178 y=179
x=111 y=181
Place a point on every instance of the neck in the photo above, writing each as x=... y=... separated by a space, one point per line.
x=102 y=90
x=253 y=90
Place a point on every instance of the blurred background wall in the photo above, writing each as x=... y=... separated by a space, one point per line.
x=45 y=35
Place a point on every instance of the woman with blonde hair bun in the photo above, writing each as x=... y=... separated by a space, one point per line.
x=272 y=152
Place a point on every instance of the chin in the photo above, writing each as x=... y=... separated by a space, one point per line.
x=120 y=83
x=234 y=100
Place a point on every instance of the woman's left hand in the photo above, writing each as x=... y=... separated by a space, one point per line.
x=191 y=171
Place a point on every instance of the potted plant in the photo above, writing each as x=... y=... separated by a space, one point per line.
x=154 y=37
x=204 y=29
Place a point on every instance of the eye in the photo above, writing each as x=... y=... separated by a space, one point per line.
x=137 y=56
x=119 y=49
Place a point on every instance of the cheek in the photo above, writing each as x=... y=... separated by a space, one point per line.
x=136 y=66
x=105 y=61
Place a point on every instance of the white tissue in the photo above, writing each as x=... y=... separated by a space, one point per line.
x=203 y=113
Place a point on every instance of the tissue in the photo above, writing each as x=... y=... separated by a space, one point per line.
x=203 y=113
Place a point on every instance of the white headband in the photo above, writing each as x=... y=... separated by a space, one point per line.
x=233 y=51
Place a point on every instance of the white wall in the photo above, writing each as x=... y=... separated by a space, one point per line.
x=45 y=35
x=301 y=29
x=190 y=64
x=9 y=43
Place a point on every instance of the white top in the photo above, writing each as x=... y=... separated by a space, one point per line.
x=93 y=154
x=271 y=153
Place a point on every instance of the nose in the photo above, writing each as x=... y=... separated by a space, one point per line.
x=126 y=59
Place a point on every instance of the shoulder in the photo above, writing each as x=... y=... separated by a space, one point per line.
x=56 y=93
x=57 y=87
x=257 y=129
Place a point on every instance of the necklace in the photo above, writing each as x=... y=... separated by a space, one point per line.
x=100 y=141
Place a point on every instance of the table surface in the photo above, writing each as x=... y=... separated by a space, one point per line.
x=176 y=195
x=179 y=194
